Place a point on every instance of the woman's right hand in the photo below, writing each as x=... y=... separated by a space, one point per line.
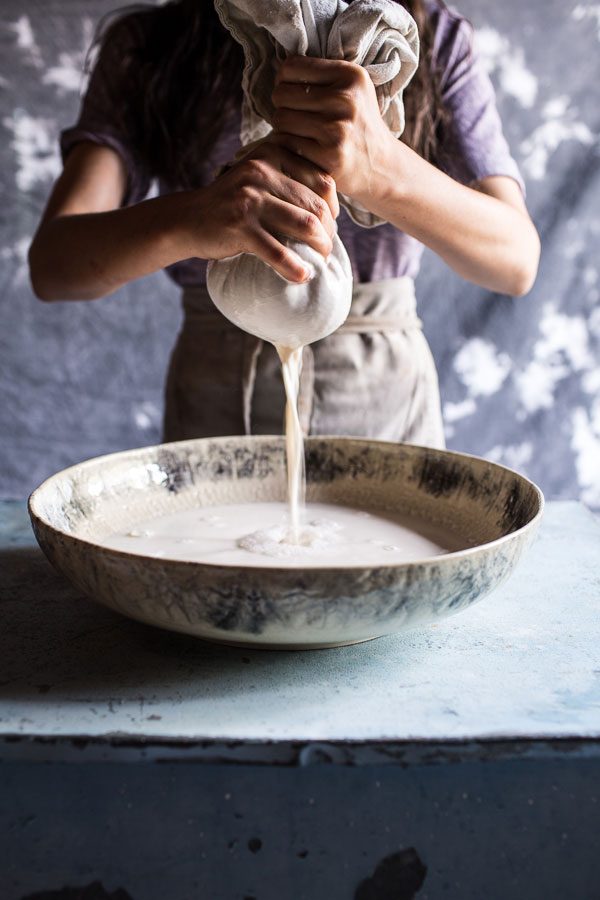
x=270 y=192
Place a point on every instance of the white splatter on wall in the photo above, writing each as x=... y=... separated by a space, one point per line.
x=35 y=147
x=562 y=349
x=481 y=368
x=146 y=415
x=560 y=124
x=515 y=457
x=502 y=57
x=589 y=12
x=68 y=73
x=26 y=41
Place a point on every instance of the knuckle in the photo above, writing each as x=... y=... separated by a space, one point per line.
x=337 y=131
x=244 y=203
x=246 y=194
x=326 y=183
x=347 y=96
x=345 y=129
x=256 y=168
x=358 y=75
x=351 y=113
x=310 y=223
x=319 y=208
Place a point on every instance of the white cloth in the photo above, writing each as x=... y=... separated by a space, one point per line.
x=256 y=298
x=380 y=35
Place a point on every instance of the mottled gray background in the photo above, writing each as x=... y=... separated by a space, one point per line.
x=520 y=378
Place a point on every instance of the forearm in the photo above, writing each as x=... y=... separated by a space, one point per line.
x=484 y=239
x=86 y=256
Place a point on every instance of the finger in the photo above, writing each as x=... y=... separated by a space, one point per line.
x=250 y=149
x=304 y=147
x=311 y=176
x=313 y=70
x=305 y=198
x=279 y=257
x=304 y=124
x=282 y=217
x=309 y=97
x=300 y=183
x=300 y=170
x=295 y=179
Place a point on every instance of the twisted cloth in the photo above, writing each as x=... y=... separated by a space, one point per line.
x=377 y=34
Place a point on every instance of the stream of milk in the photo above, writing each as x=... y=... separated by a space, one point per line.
x=291 y=366
x=276 y=534
x=279 y=535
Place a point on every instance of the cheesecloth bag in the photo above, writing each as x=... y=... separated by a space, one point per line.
x=378 y=34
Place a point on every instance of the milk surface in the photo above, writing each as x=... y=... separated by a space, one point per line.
x=257 y=534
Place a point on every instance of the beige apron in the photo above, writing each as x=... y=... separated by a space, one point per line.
x=374 y=377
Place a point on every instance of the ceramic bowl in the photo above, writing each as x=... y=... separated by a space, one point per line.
x=492 y=511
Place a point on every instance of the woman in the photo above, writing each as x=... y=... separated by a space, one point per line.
x=164 y=102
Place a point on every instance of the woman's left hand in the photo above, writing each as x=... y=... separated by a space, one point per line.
x=327 y=112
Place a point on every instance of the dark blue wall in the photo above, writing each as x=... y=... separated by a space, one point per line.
x=511 y=830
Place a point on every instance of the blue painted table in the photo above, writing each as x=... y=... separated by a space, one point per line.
x=458 y=761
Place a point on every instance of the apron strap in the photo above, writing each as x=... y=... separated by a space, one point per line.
x=199 y=307
x=252 y=349
x=307 y=389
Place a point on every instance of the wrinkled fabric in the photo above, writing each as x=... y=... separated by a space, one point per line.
x=378 y=34
x=289 y=314
x=375 y=377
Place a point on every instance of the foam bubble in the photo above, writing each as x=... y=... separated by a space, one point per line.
x=317 y=535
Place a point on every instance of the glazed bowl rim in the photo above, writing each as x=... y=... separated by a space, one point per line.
x=485 y=547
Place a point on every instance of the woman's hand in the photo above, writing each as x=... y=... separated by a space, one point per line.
x=269 y=193
x=87 y=246
x=273 y=151
x=327 y=112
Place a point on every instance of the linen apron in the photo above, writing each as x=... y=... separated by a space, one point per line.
x=374 y=377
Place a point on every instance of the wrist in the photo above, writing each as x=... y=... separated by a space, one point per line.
x=183 y=222
x=385 y=185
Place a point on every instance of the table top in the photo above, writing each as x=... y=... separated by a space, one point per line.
x=516 y=673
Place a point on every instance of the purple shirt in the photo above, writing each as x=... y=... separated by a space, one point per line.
x=474 y=146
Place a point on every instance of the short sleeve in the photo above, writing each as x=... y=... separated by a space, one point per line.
x=473 y=143
x=108 y=109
